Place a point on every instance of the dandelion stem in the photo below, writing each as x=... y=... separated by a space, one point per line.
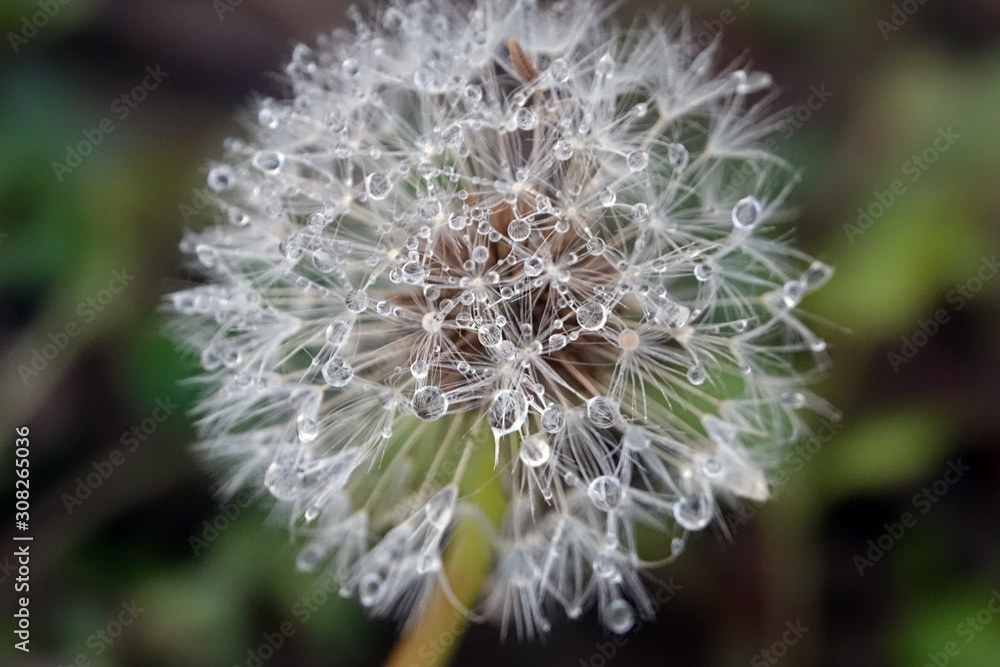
x=433 y=639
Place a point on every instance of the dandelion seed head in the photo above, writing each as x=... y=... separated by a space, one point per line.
x=513 y=221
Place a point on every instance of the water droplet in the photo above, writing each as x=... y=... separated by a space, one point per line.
x=637 y=160
x=553 y=419
x=746 y=213
x=378 y=186
x=640 y=213
x=677 y=546
x=282 y=480
x=535 y=451
x=605 y=492
x=602 y=411
x=711 y=466
x=268 y=161
x=533 y=266
x=596 y=246
x=350 y=68
x=605 y=66
x=440 y=508
x=792 y=293
x=702 y=272
x=311 y=557
x=480 y=254
x=306 y=428
x=413 y=273
x=608 y=197
x=563 y=150
x=357 y=301
x=519 y=230
x=221 y=178
x=752 y=82
x=338 y=372
x=557 y=342
x=816 y=276
x=490 y=335
x=525 y=118
x=693 y=511
x=336 y=333
x=672 y=315
x=369 y=589
x=559 y=70
x=696 y=375
x=429 y=403
x=508 y=411
x=591 y=316
x=210 y=359
x=678 y=157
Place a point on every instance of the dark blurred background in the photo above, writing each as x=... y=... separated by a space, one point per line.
x=882 y=547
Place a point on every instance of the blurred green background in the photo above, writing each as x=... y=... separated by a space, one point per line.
x=897 y=133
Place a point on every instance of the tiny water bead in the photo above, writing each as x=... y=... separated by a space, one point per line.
x=429 y=403
x=369 y=589
x=378 y=186
x=337 y=372
x=508 y=411
x=591 y=316
x=605 y=492
x=357 y=301
x=490 y=335
x=619 y=616
x=693 y=511
x=603 y=411
x=306 y=428
x=535 y=451
x=221 y=178
x=637 y=160
x=696 y=375
x=553 y=419
x=746 y=213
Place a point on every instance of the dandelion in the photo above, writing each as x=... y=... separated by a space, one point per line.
x=513 y=239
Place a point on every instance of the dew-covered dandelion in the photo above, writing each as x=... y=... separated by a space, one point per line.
x=502 y=245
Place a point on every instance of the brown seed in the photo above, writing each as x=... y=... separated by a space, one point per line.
x=521 y=62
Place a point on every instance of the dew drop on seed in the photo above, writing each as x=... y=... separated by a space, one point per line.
x=268 y=161
x=816 y=276
x=620 y=617
x=605 y=492
x=490 y=335
x=637 y=160
x=792 y=293
x=591 y=316
x=533 y=266
x=413 y=273
x=553 y=419
x=693 y=511
x=221 y=178
x=559 y=69
x=711 y=466
x=563 y=150
x=338 y=372
x=608 y=197
x=429 y=403
x=525 y=118
x=350 y=68
x=369 y=589
x=746 y=213
x=640 y=213
x=336 y=333
x=677 y=546
x=357 y=301
x=535 y=451
x=696 y=375
x=557 y=342
x=310 y=557
x=702 y=272
x=596 y=246
x=306 y=428
x=480 y=254
x=419 y=369
x=519 y=230
x=282 y=481
x=378 y=186
x=457 y=221
x=508 y=411
x=678 y=157
x=602 y=411
x=440 y=508
x=210 y=359
x=605 y=66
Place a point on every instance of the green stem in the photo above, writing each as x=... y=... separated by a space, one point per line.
x=433 y=639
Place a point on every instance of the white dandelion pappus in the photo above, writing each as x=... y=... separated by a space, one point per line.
x=511 y=221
